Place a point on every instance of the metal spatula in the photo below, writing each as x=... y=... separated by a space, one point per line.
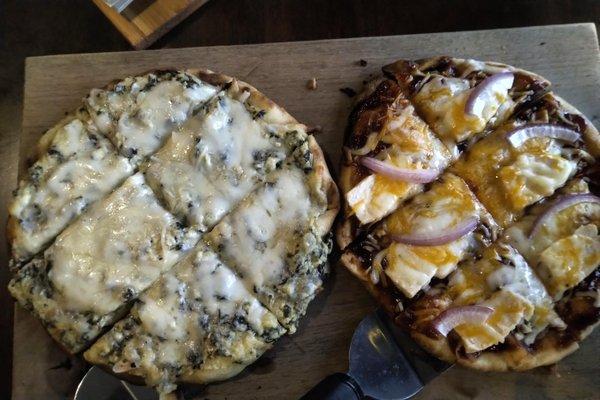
x=99 y=385
x=385 y=364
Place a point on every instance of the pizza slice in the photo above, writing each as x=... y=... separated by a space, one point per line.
x=100 y=264
x=389 y=154
x=198 y=323
x=274 y=242
x=527 y=158
x=76 y=167
x=138 y=113
x=559 y=237
x=427 y=237
x=460 y=98
x=492 y=313
x=225 y=148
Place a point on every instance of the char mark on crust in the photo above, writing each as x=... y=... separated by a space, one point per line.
x=443 y=65
x=402 y=71
x=412 y=74
x=531 y=88
x=365 y=247
x=548 y=109
x=369 y=115
x=579 y=310
x=591 y=175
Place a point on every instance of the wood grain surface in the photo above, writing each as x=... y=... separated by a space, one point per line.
x=567 y=55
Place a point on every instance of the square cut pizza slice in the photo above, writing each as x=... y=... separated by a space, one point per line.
x=273 y=242
x=100 y=263
x=139 y=112
x=525 y=160
x=460 y=98
x=501 y=280
x=76 y=167
x=429 y=236
x=388 y=156
x=559 y=238
x=198 y=323
x=226 y=150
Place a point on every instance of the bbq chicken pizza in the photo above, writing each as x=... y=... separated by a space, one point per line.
x=472 y=211
x=173 y=227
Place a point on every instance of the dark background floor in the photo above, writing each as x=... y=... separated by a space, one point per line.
x=39 y=27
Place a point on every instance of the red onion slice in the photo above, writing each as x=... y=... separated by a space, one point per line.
x=560 y=204
x=500 y=82
x=520 y=135
x=402 y=174
x=455 y=233
x=452 y=317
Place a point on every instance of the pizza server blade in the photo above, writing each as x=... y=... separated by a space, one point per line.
x=385 y=364
x=100 y=385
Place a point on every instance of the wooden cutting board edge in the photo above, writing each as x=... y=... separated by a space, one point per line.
x=460 y=384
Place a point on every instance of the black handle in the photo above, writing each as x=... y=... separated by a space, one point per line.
x=335 y=387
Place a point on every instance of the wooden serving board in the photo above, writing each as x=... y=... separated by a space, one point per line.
x=567 y=55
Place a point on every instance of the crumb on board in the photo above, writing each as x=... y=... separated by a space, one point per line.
x=311 y=84
x=348 y=91
x=554 y=370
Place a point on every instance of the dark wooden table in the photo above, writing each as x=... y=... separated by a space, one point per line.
x=39 y=27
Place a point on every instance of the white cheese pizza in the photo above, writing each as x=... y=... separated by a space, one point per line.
x=472 y=211
x=175 y=226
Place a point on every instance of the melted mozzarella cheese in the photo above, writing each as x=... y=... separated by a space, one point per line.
x=100 y=263
x=121 y=245
x=222 y=150
x=269 y=241
x=509 y=310
x=197 y=318
x=565 y=249
x=570 y=260
x=78 y=168
x=502 y=269
x=201 y=279
x=507 y=179
x=556 y=226
x=376 y=196
x=446 y=204
x=532 y=177
x=412 y=267
x=412 y=146
x=138 y=113
x=442 y=102
x=519 y=278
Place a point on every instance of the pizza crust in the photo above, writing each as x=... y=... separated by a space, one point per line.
x=517 y=359
x=327 y=186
